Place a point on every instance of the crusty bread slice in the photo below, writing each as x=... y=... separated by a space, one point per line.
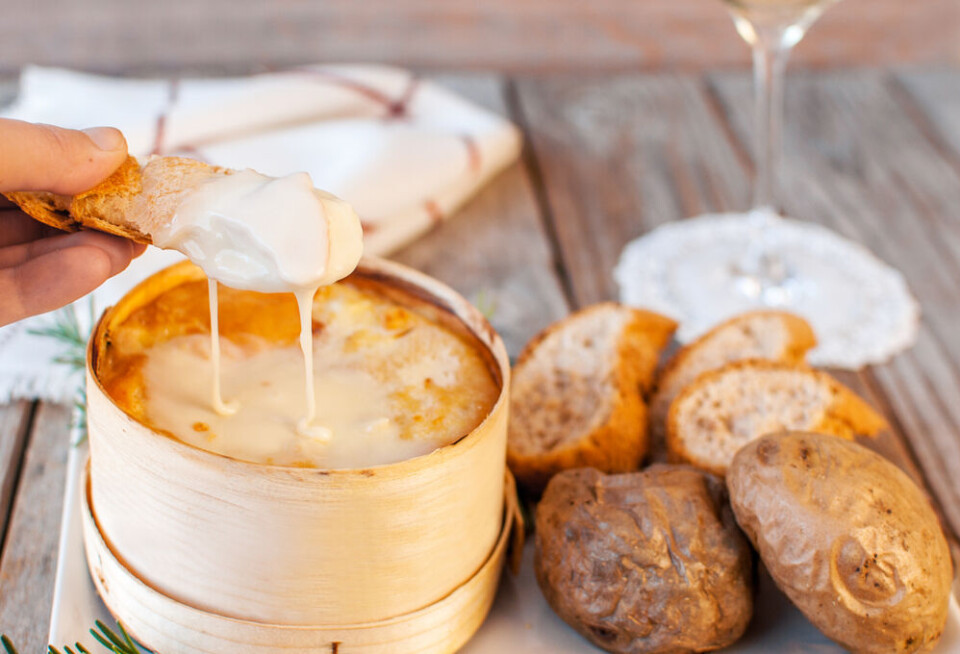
x=773 y=335
x=133 y=202
x=577 y=393
x=725 y=409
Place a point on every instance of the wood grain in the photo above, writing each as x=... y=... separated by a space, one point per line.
x=494 y=251
x=620 y=155
x=244 y=35
x=936 y=94
x=14 y=426
x=29 y=559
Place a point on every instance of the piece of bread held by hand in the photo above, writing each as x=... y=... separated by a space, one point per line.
x=133 y=202
x=772 y=335
x=727 y=408
x=577 y=393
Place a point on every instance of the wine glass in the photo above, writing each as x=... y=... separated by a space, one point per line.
x=702 y=270
x=771 y=28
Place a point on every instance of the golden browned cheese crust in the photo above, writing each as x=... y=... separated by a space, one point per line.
x=846 y=415
x=387 y=331
x=849 y=538
x=644 y=562
x=619 y=442
x=133 y=202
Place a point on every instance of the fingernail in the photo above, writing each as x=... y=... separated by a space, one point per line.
x=106 y=138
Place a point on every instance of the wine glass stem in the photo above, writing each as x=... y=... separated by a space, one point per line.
x=769 y=63
x=762 y=273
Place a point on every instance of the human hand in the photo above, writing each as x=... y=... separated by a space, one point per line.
x=42 y=268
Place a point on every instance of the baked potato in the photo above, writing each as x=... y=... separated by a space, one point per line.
x=848 y=537
x=647 y=561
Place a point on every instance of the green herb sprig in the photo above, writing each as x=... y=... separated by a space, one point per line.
x=66 y=329
x=486 y=303
x=118 y=643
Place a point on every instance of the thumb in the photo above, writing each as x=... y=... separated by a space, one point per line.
x=35 y=157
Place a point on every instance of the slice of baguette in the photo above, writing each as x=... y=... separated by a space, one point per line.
x=133 y=202
x=725 y=409
x=773 y=335
x=577 y=393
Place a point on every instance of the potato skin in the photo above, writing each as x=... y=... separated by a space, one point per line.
x=848 y=537
x=647 y=561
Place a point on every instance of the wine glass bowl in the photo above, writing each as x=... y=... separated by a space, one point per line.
x=791 y=17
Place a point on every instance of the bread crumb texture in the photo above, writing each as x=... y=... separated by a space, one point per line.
x=134 y=202
x=773 y=335
x=730 y=407
x=577 y=393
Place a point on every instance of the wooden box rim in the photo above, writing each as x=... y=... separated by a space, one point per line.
x=371 y=268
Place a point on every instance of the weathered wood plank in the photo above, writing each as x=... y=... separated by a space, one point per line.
x=8 y=91
x=241 y=35
x=14 y=423
x=937 y=94
x=28 y=564
x=494 y=250
x=857 y=162
x=620 y=155
x=922 y=387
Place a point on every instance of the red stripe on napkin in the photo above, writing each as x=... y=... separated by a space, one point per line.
x=399 y=108
x=473 y=152
x=396 y=108
x=173 y=92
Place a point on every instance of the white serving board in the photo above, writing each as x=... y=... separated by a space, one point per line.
x=520 y=621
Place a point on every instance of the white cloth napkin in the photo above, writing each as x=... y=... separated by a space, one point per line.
x=403 y=151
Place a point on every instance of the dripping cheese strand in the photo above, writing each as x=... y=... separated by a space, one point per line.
x=270 y=235
x=305 y=426
x=222 y=408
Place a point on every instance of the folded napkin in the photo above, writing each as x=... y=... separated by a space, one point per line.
x=403 y=151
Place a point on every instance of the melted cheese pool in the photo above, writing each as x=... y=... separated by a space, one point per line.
x=390 y=383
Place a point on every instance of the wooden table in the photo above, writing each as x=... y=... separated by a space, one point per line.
x=874 y=155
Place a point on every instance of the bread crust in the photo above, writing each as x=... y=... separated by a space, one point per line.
x=644 y=562
x=800 y=339
x=132 y=202
x=847 y=415
x=619 y=444
x=848 y=537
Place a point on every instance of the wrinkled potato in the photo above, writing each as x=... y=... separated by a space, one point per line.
x=648 y=561
x=848 y=537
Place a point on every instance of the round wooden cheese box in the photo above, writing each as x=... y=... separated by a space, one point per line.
x=197 y=552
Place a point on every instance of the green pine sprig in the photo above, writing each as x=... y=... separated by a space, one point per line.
x=117 y=643
x=486 y=302
x=65 y=328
